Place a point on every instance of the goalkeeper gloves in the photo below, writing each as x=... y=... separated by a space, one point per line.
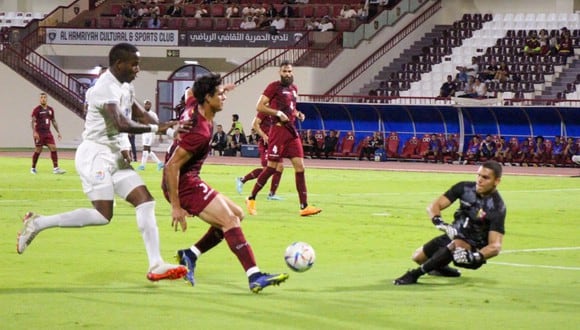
x=444 y=227
x=467 y=259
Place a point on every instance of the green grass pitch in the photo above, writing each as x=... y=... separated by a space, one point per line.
x=94 y=278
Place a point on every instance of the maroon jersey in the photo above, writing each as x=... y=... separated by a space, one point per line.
x=196 y=141
x=282 y=98
x=42 y=119
x=266 y=122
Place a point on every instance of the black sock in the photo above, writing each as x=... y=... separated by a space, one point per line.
x=441 y=258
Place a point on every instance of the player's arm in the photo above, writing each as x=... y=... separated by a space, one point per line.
x=33 y=126
x=434 y=211
x=55 y=124
x=113 y=115
x=493 y=247
x=172 y=168
x=256 y=126
x=264 y=107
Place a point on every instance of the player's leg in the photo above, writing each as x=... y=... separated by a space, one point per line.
x=36 y=155
x=144 y=156
x=222 y=213
x=276 y=177
x=54 y=155
x=97 y=185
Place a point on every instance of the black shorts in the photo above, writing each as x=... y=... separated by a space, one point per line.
x=435 y=244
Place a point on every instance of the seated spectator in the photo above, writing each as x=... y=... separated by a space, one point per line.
x=469 y=89
x=347 y=12
x=286 y=11
x=570 y=150
x=236 y=141
x=278 y=23
x=539 y=150
x=201 y=11
x=488 y=148
x=312 y=24
x=154 y=22
x=254 y=137
x=490 y=71
x=473 y=150
x=434 y=149
x=262 y=21
x=450 y=149
x=553 y=43
x=524 y=154
x=232 y=11
x=503 y=152
x=326 y=24
x=448 y=88
x=330 y=143
x=271 y=11
x=544 y=42
x=129 y=14
x=565 y=46
x=370 y=145
x=502 y=73
x=532 y=46
x=248 y=23
x=309 y=144
x=468 y=71
x=480 y=88
x=174 y=10
x=219 y=140
x=558 y=150
x=362 y=11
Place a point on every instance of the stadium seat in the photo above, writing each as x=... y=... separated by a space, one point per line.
x=410 y=148
x=393 y=145
x=346 y=146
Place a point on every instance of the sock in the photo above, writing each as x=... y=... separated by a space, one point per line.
x=76 y=218
x=54 y=157
x=147 y=224
x=275 y=182
x=154 y=156
x=35 y=156
x=252 y=175
x=301 y=188
x=240 y=247
x=441 y=258
x=144 y=157
x=212 y=237
x=262 y=179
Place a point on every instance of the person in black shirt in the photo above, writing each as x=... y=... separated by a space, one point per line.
x=448 y=88
x=476 y=233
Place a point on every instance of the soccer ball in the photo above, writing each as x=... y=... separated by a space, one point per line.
x=299 y=256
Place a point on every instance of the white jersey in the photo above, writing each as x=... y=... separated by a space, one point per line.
x=147 y=138
x=127 y=109
x=107 y=90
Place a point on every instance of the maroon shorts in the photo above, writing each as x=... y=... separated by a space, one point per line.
x=44 y=139
x=283 y=143
x=194 y=194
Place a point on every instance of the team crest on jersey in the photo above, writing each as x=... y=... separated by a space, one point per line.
x=481 y=214
x=100 y=175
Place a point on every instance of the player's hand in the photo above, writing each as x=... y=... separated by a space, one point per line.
x=301 y=116
x=178 y=216
x=467 y=259
x=282 y=116
x=59 y=137
x=35 y=136
x=448 y=229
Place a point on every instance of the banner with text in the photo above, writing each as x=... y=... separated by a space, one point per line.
x=241 y=39
x=111 y=37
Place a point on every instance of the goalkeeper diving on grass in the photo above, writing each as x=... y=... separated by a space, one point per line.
x=475 y=235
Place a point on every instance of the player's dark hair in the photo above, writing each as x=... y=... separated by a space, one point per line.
x=285 y=63
x=206 y=85
x=236 y=117
x=121 y=52
x=494 y=166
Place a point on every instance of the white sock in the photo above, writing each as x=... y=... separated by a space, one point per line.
x=76 y=218
x=144 y=157
x=252 y=271
x=195 y=250
x=147 y=225
x=154 y=156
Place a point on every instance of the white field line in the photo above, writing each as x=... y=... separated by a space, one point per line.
x=571 y=248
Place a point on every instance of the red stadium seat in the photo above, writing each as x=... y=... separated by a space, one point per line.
x=410 y=148
x=346 y=146
x=393 y=145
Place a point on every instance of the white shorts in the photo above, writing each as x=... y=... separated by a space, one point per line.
x=147 y=139
x=100 y=175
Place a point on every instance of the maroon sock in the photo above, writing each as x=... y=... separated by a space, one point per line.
x=252 y=175
x=275 y=182
x=212 y=237
x=301 y=188
x=35 y=159
x=240 y=247
x=54 y=158
x=262 y=179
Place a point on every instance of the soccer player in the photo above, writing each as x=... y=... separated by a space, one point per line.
x=189 y=195
x=103 y=169
x=261 y=124
x=476 y=233
x=42 y=117
x=279 y=101
x=147 y=139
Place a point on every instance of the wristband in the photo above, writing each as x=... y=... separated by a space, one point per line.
x=478 y=256
x=170 y=132
x=279 y=114
x=154 y=128
x=437 y=220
